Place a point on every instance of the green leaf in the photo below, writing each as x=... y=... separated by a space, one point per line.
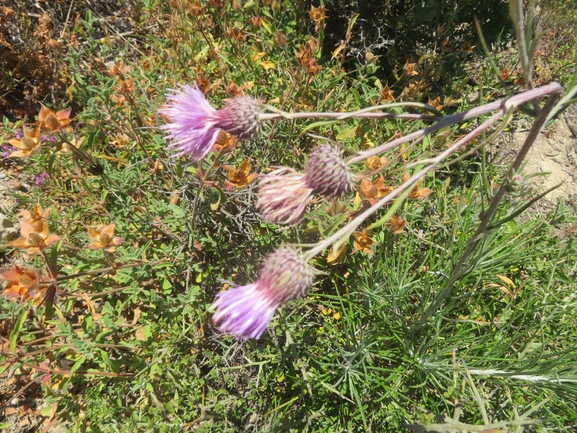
x=268 y=26
x=347 y=133
x=317 y=124
x=52 y=257
x=48 y=410
x=216 y=198
x=77 y=365
x=16 y=330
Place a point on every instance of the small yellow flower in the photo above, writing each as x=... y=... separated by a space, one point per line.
x=373 y=191
x=317 y=14
x=396 y=224
x=363 y=242
x=27 y=145
x=34 y=238
x=239 y=178
x=36 y=215
x=103 y=238
x=21 y=281
x=48 y=120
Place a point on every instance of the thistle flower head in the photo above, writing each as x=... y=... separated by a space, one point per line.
x=240 y=117
x=284 y=193
x=246 y=311
x=326 y=173
x=283 y=196
x=195 y=124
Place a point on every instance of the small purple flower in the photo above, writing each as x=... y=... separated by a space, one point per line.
x=40 y=178
x=7 y=150
x=246 y=311
x=284 y=193
x=195 y=124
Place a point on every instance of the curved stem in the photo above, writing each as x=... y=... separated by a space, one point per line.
x=486 y=217
x=502 y=104
x=352 y=226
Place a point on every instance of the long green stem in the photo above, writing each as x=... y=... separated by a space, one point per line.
x=461 y=268
x=352 y=226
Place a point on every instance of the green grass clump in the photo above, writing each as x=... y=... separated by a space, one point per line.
x=116 y=334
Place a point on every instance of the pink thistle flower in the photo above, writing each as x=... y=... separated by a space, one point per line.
x=195 y=124
x=283 y=196
x=285 y=193
x=246 y=311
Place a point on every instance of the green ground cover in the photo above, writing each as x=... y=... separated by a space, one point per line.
x=419 y=322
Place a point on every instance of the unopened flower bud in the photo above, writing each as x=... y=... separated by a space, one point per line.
x=240 y=117
x=326 y=173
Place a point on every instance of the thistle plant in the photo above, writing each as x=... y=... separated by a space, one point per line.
x=115 y=275
x=284 y=193
x=246 y=311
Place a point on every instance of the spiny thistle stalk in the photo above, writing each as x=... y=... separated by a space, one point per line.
x=246 y=311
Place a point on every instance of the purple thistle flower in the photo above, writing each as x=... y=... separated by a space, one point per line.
x=284 y=193
x=246 y=311
x=195 y=124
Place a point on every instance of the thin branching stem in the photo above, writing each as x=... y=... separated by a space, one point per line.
x=488 y=215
